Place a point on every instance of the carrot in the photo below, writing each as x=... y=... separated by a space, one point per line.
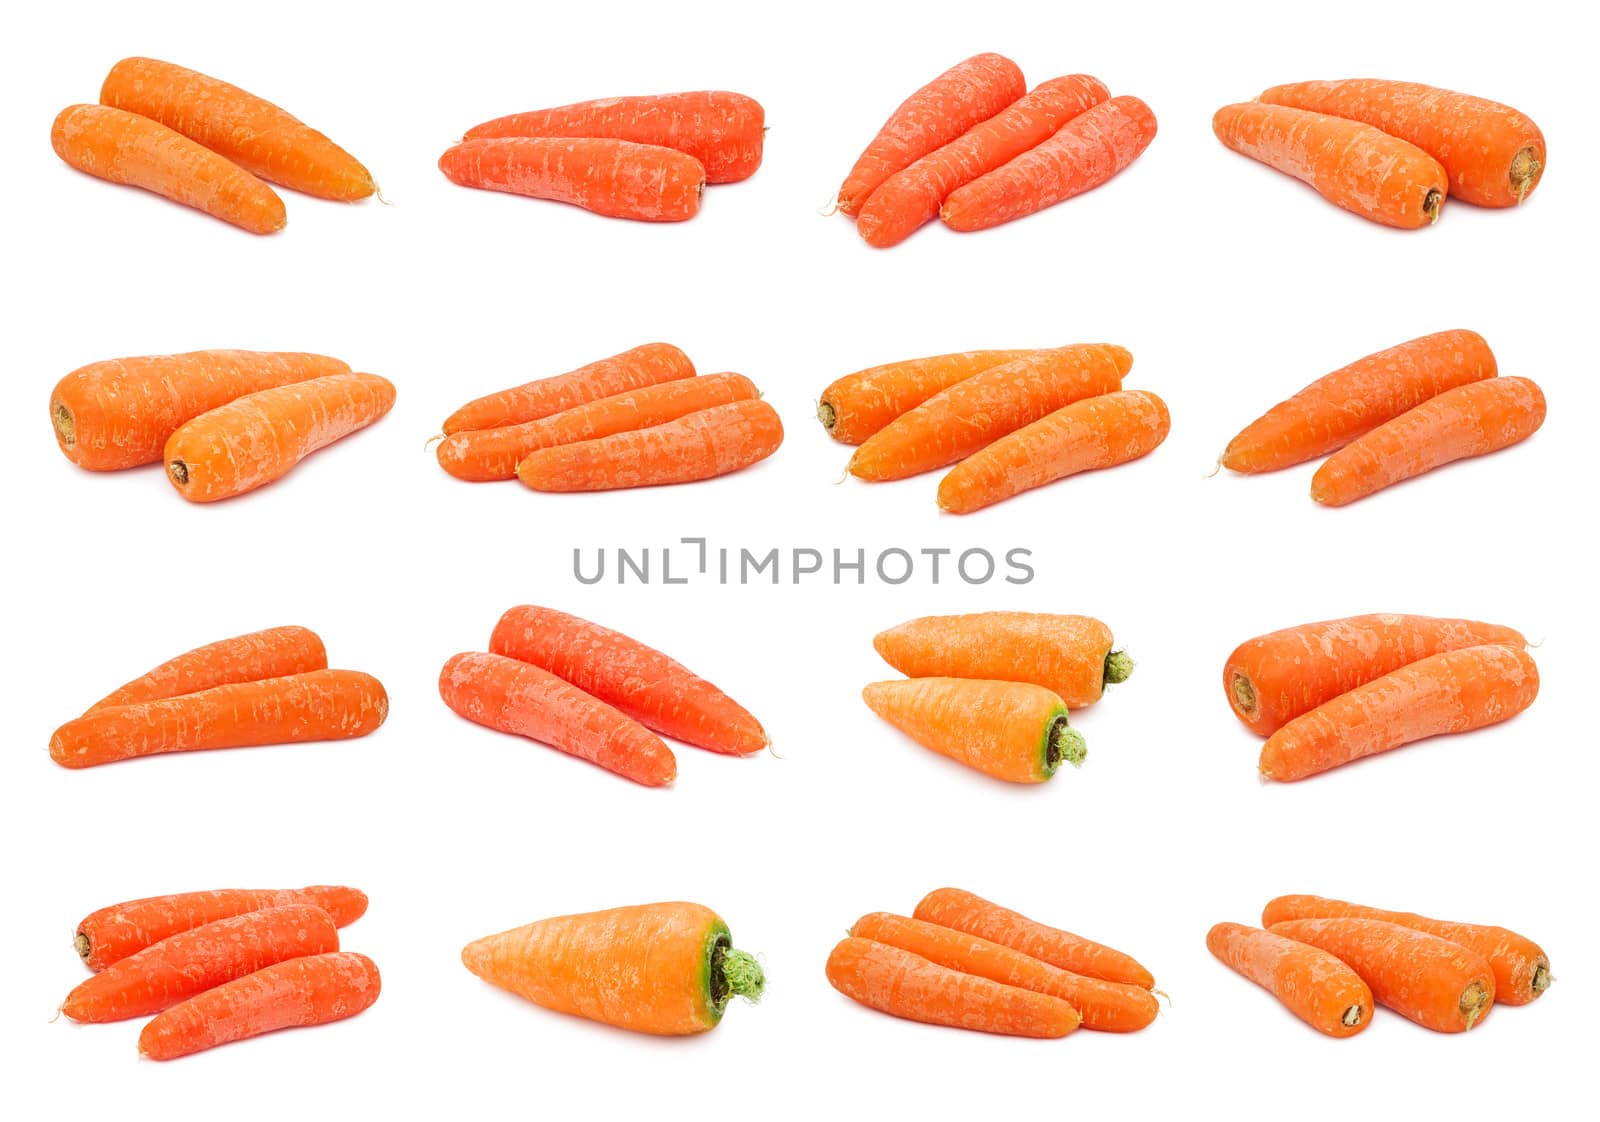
x=481 y=455
x=1069 y=655
x=1436 y=983
x=712 y=442
x=272 y=653
x=911 y=197
x=199 y=959
x=1355 y=166
x=313 y=990
x=1274 y=678
x=260 y=437
x=669 y=969
x=616 y=178
x=1311 y=983
x=113 y=933
x=640 y=681
x=1456 y=691
x=1087 y=151
x=633 y=369
x=519 y=698
x=1493 y=155
x=1355 y=399
x=126 y=148
x=1471 y=420
x=1014 y=731
x=1521 y=968
x=319 y=705
x=975 y=412
x=903 y=984
x=724 y=131
x=967 y=93
x=119 y=413
x=951 y=907
x=1099 y=432
x=1104 y=1006
x=252 y=132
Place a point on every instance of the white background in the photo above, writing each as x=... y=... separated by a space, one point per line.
x=1232 y=285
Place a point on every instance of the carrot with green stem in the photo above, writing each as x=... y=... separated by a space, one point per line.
x=633 y=369
x=272 y=653
x=1014 y=731
x=1311 y=983
x=615 y=178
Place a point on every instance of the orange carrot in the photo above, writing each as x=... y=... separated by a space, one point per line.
x=951 y=907
x=668 y=969
x=967 y=93
x=1456 y=691
x=1014 y=731
x=1471 y=420
x=519 y=698
x=252 y=132
x=639 y=681
x=126 y=148
x=319 y=705
x=1311 y=983
x=272 y=653
x=616 y=178
x=712 y=442
x=260 y=437
x=1274 y=678
x=958 y=421
x=306 y=991
x=1355 y=399
x=633 y=369
x=193 y=961
x=1098 y=432
x=1087 y=151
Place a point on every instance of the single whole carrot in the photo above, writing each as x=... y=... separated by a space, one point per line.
x=668 y=969
x=519 y=698
x=1085 y=152
x=313 y=990
x=969 y=92
x=260 y=437
x=712 y=442
x=1104 y=1006
x=616 y=178
x=1470 y=420
x=963 y=911
x=1311 y=983
x=250 y=131
x=641 y=682
x=1436 y=983
x=1014 y=731
x=1098 y=432
x=1274 y=678
x=1456 y=691
x=973 y=413
x=318 y=705
x=272 y=653
x=633 y=369
x=193 y=961
x=1355 y=399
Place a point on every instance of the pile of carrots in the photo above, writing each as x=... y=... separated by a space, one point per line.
x=210 y=968
x=1389 y=151
x=1328 y=961
x=1325 y=694
x=961 y=961
x=204 y=143
x=992 y=689
x=647 y=158
x=1392 y=416
x=641 y=418
x=1009 y=420
x=976 y=148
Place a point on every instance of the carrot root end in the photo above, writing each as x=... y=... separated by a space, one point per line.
x=1119 y=667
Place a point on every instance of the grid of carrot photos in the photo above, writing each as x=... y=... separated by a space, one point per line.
x=975 y=147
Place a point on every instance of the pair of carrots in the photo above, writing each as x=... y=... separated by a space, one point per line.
x=1328 y=961
x=992 y=690
x=1389 y=151
x=204 y=143
x=961 y=961
x=641 y=418
x=1325 y=694
x=1392 y=416
x=215 y=967
x=976 y=148
x=647 y=158
x=267 y=687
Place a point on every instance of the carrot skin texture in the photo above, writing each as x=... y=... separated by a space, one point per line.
x=273 y=653
x=615 y=178
x=1014 y=731
x=1311 y=983
x=647 y=365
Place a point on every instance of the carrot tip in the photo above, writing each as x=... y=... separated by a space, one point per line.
x=1119 y=667
x=432 y=440
x=378 y=193
x=829 y=208
x=1216 y=467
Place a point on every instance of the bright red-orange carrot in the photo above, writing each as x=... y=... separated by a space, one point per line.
x=1311 y=983
x=1014 y=731
x=633 y=369
x=616 y=178
x=272 y=653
